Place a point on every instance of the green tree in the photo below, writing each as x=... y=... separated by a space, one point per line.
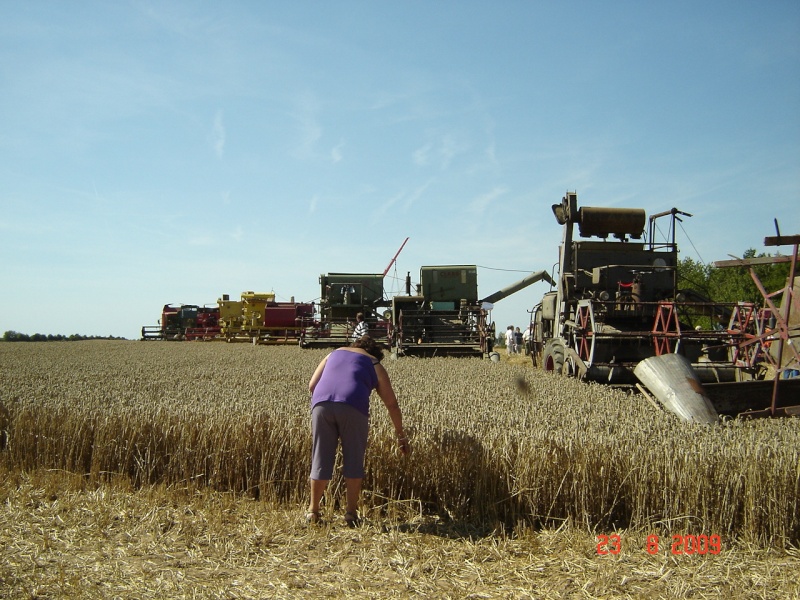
x=733 y=284
x=694 y=275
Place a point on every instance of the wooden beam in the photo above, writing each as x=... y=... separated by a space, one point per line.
x=782 y=240
x=746 y=262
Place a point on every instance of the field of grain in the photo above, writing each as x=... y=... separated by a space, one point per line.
x=146 y=445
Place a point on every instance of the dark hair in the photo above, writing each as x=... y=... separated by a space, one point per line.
x=372 y=347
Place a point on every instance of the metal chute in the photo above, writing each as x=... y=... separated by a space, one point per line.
x=521 y=284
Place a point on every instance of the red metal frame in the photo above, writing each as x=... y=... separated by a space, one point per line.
x=743 y=326
x=666 y=328
x=782 y=331
x=585 y=325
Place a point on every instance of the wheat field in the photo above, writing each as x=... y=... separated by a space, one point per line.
x=504 y=456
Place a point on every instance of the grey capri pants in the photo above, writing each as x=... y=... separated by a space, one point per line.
x=330 y=422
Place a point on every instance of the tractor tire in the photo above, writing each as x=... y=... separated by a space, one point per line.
x=553 y=356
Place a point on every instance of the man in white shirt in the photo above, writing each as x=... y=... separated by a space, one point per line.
x=511 y=340
x=361 y=328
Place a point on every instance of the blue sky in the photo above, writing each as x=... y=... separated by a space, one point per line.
x=171 y=152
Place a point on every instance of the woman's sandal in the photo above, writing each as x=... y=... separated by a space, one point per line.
x=313 y=517
x=352 y=519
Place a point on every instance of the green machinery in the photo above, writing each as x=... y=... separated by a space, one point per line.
x=342 y=297
x=443 y=317
x=617 y=303
x=446 y=316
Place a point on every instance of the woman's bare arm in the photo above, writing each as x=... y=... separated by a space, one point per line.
x=317 y=374
x=387 y=395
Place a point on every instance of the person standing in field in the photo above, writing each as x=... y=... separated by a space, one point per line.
x=340 y=392
x=510 y=340
x=361 y=328
x=526 y=339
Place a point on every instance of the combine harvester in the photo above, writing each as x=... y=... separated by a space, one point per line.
x=255 y=318
x=259 y=319
x=342 y=297
x=184 y=322
x=617 y=304
x=442 y=316
x=446 y=317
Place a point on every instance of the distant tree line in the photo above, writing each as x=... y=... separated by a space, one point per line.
x=13 y=336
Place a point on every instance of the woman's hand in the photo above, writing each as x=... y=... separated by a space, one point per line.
x=404 y=445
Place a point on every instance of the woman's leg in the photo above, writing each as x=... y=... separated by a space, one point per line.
x=354 y=429
x=317 y=489
x=325 y=439
x=353 y=486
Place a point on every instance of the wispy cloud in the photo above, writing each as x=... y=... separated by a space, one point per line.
x=405 y=199
x=440 y=153
x=448 y=150
x=312 y=206
x=336 y=152
x=421 y=156
x=384 y=208
x=480 y=204
x=201 y=240
x=218 y=134
x=310 y=131
x=491 y=153
x=416 y=194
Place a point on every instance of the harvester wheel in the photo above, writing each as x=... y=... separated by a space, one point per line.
x=570 y=369
x=553 y=356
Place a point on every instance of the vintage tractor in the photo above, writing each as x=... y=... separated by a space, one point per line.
x=617 y=303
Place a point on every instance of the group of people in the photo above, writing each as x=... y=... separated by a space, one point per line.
x=516 y=340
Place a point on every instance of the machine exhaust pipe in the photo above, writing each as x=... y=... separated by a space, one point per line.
x=674 y=383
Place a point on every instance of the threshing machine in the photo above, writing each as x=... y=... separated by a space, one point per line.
x=342 y=297
x=617 y=303
x=184 y=322
x=257 y=317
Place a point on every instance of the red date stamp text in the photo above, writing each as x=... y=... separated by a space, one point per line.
x=678 y=544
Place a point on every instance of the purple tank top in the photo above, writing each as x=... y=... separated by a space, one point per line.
x=348 y=377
